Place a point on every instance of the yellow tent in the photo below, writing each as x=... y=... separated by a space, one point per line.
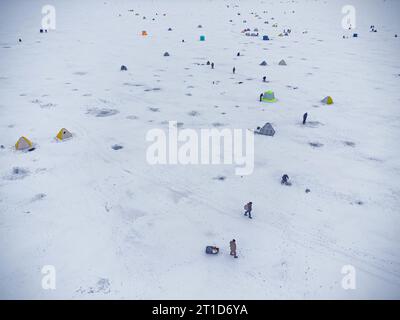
x=64 y=134
x=23 y=143
x=327 y=100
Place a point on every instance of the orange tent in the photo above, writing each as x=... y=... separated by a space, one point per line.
x=144 y=33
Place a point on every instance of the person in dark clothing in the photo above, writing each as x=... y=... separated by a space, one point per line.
x=285 y=180
x=212 y=65
x=232 y=245
x=305 y=118
x=261 y=96
x=264 y=79
x=234 y=70
x=248 y=207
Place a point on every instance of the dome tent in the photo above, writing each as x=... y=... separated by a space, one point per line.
x=264 y=63
x=23 y=143
x=327 y=100
x=64 y=134
x=269 y=96
x=266 y=130
x=282 y=63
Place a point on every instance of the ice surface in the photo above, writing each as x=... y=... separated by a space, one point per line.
x=115 y=227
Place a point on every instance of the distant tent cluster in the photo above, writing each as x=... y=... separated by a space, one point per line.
x=247 y=32
x=281 y=63
x=24 y=144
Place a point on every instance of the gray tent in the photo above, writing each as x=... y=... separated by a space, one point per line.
x=264 y=63
x=267 y=130
x=166 y=54
x=282 y=63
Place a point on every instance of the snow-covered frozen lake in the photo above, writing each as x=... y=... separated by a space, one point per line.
x=113 y=226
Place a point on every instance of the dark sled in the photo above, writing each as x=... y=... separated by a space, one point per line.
x=212 y=250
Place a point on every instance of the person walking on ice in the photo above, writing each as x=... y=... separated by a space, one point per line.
x=212 y=65
x=248 y=207
x=232 y=245
x=261 y=96
x=305 y=118
x=234 y=70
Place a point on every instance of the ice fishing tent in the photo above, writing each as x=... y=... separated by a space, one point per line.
x=124 y=68
x=202 y=38
x=144 y=33
x=212 y=250
x=166 y=54
x=267 y=130
x=23 y=143
x=64 y=134
x=327 y=100
x=264 y=63
x=268 y=96
x=265 y=38
x=282 y=63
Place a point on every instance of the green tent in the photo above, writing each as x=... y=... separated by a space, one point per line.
x=269 y=96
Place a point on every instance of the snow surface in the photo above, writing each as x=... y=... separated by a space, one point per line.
x=114 y=226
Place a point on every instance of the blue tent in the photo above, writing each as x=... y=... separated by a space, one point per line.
x=265 y=38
